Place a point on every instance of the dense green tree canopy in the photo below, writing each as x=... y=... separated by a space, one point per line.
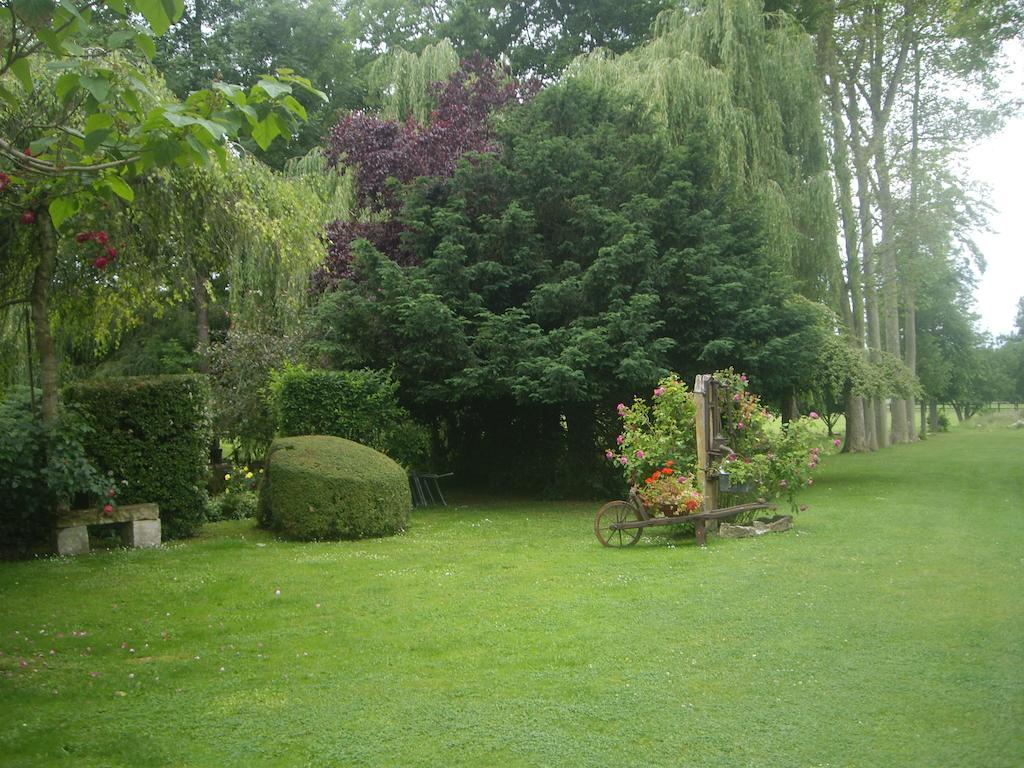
x=540 y=37
x=240 y=40
x=575 y=267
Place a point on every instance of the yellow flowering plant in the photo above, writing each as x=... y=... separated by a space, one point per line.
x=238 y=499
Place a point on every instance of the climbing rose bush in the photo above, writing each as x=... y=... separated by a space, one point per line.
x=776 y=459
x=657 y=436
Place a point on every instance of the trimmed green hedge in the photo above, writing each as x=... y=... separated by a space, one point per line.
x=155 y=433
x=357 y=405
x=320 y=487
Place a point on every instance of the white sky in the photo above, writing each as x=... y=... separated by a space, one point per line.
x=999 y=162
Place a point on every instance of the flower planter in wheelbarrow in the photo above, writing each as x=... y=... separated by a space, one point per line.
x=725 y=486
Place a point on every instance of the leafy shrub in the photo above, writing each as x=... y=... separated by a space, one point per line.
x=361 y=406
x=943 y=423
x=240 y=368
x=321 y=487
x=238 y=499
x=232 y=506
x=655 y=433
x=40 y=470
x=155 y=432
x=776 y=459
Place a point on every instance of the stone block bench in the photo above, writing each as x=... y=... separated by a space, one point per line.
x=139 y=523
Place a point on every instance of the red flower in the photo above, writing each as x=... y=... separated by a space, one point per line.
x=82 y=237
x=656 y=474
x=667 y=471
x=101 y=237
x=111 y=252
x=100 y=262
x=108 y=509
x=28 y=217
x=691 y=504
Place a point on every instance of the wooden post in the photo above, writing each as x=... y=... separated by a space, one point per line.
x=703 y=393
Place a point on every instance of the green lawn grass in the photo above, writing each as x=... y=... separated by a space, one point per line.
x=885 y=629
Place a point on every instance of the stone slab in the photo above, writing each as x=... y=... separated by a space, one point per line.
x=141 y=534
x=122 y=514
x=73 y=541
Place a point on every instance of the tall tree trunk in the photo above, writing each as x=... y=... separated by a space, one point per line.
x=912 y=259
x=856 y=434
x=852 y=303
x=877 y=427
x=890 y=284
x=910 y=358
x=201 y=300
x=42 y=282
x=933 y=415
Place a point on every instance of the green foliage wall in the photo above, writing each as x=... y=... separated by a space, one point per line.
x=651 y=211
x=560 y=277
x=155 y=434
x=358 y=405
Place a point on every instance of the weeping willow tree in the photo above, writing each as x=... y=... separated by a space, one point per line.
x=741 y=86
x=402 y=81
x=243 y=235
x=335 y=190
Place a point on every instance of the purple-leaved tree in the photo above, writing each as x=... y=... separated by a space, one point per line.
x=382 y=150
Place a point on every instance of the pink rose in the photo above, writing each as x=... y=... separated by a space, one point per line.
x=623 y=460
x=609 y=455
x=659 y=392
x=639 y=454
x=813 y=414
x=837 y=442
x=619 y=439
x=740 y=425
x=621 y=407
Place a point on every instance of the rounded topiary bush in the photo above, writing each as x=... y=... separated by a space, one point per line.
x=319 y=487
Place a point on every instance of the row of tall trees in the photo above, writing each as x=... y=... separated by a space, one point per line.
x=908 y=87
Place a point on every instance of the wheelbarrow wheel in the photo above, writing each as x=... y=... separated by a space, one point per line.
x=617 y=512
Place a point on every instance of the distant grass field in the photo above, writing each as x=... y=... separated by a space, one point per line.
x=884 y=630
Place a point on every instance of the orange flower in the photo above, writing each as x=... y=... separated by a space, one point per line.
x=669 y=463
x=648 y=481
x=657 y=474
x=666 y=471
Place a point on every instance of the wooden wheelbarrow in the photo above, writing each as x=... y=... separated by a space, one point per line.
x=620 y=523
